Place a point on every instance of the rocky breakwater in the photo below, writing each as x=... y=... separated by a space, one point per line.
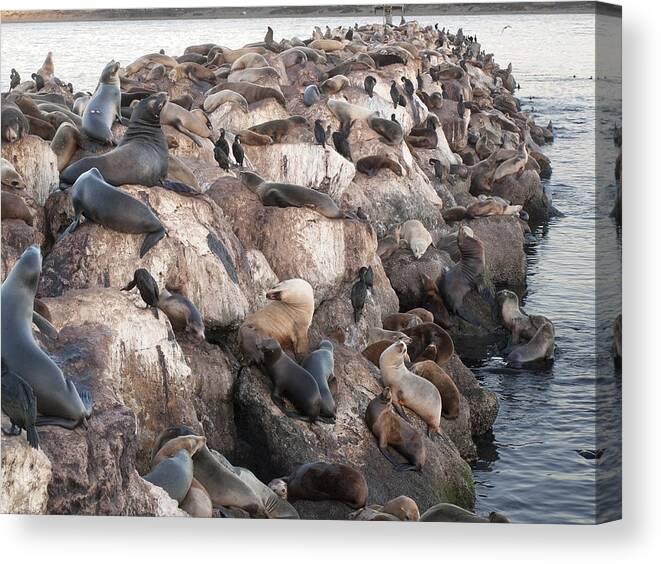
x=369 y=186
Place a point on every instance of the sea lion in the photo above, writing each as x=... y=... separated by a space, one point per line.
x=450 y=396
x=346 y=112
x=389 y=130
x=179 y=172
x=311 y=94
x=392 y=431
x=14 y=123
x=286 y=318
x=58 y=400
x=464 y=275
x=290 y=381
x=197 y=502
x=251 y=92
x=172 y=467
x=416 y=236
x=104 y=107
x=402 y=507
x=425 y=315
x=9 y=176
x=47 y=69
x=277 y=129
x=515 y=165
x=427 y=334
x=216 y=100
x=370 y=513
x=400 y=321
x=376 y=334
x=249 y=61
x=194 y=125
x=334 y=85
x=150 y=60
x=491 y=205
x=65 y=144
x=252 y=138
x=373 y=164
x=199 y=75
x=326 y=45
x=450 y=513
x=540 y=347
x=14 y=207
x=321 y=366
x=146 y=285
x=320 y=481
x=521 y=325
x=106 y=205
x=433 y=304
x=20 y=405
x=291 y=195
x=254 y=75
x=141 y=156
x=372 y=352
x=455 y=213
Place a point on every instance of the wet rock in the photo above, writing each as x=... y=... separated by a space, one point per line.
x=525 y=190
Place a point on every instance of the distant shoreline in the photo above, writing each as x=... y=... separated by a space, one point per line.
x=375 y=10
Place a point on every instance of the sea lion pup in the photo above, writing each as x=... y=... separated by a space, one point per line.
x=540 y=347
x=192 y=124
x=416 y=236
x=391 y=431
x=515 y=165
x=430 y=334
x=106 y=205
x=372 y=165
x=321 y=481
x=58 y=401
x=464 y=275
x=376 y=334
x=433 y=304
x=9 y=176
x=277 y=129
x=251 y=92
x=521 y=325
x=14 y=123
x=216 y=100
x=450 y=513
x=391 y=131
x=321 y=366
x=400 y=321
x=20 y=405
x=290 y=381
x=291 y=195
x=14 y=207
x=346 y=112
x=286 y=318
x=172 y=467
x=334 y=85
x=450 y=397
x=311 y=95
x=65 y=144
x=408 y=389
x=104 y=107
x=197 y=502
x=424 y=314
x=491 y=205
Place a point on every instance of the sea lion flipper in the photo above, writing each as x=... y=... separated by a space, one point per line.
x=45 y=326
x=388 y=456
x=58 y=421
x=72 y=227
x=178 y=187
x=404 y=467
x=150 y=240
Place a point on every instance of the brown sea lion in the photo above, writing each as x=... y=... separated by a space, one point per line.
x=194 y=72
x=197 y=502
x=9 y=177
x=373 y=164
x=433 y=303
x=14 y=207
x=319 y=481
x=425 y=315
x=251 y=138
x=389 y=130
x=400 y=321
x=456 y=213
x=14 y=123
x=251 y=92
x=334 y=85
x=391 y=431
x=540 y=347
x=432 y=372
x=521 y=325
x=65 y=144
x=277 y=129
x=426 y=334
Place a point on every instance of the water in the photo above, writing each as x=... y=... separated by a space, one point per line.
x=529 y=469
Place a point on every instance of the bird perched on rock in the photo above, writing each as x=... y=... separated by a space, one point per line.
x=15 y=79
x=369 y=83
x=319 y=133
x=460 y=106
x=349 y=35
x=439 y=169
x=20 y=405
x=359 y=294
x=360 y=214
x=147 y=287
x=221 y=151
x=421 y=83
x=394 y=94
x=368 y=275
x=237 y=150
x=408 y=87
x=38 y=81
x=342 y=145
x=393 y=117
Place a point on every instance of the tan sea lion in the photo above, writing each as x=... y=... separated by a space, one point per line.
x=540 y=347
x=326 y=45
x=277 y=129
x=14 y=207
x=432 y=372
x=408 y=389
x=194 y=72
x=417 y=237
x=251 y=92
x=400 y=321
x=249 y=61
x=214 y=101
x=65 y=144
x=514 y=165
x=150 y=60
x=346 y=112
x=254 y=75
x=392 y=431
x=334 y=85
x=255 y=139
x=491 y=205
x=373 y=164
x=197 y=502
x=9 y=176
x=194 y=125
x=521 y=325
x=402 y=507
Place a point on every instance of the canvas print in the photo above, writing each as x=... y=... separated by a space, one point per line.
x=326 y=262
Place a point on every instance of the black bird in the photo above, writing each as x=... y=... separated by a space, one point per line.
x=221 y=151
x=162 y=51
x=460 y=106
x=147 y=287
x=342 y=145
x=439 y=170
x=421 y=84
x=360 y=214
x=319 y=132
x=408 y=87
x=20 y=405
x=222 y=142
x=394 y=94
x=591 y=454
x=370 y=83
x=38 y=81
x=402 y=101
x=359 y=294
x=369 y=276
x=349 y=35
x=431 y=124
x=15 y=79
x=237 y=150
x=393 y=117
x=436 y=26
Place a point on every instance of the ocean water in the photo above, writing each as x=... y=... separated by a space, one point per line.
x=529 y=468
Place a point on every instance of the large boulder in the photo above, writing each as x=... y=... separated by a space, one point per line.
x=525 y=190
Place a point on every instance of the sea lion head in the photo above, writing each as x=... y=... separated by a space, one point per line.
x=110 y=73
x=270 y=349
x=279 y=487
x=191 y=443
x=495 y=517
x=28 y=268
x=294 y=292
x=402 y=507
x=547 y=330
x=395 y=355
x=169 y=434
x=506 y=298
x=386 y=395
x=10 y=177
x=250 y=179
x=14 y=125
x=148 y=111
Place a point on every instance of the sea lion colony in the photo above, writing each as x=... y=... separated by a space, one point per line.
x=453 y=122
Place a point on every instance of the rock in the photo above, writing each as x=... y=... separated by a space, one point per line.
x=233 y=119
x=281 y=443
x=187 y=148
x=200 y=255
x=454 y=127
x=26 y=473
x=16 y=237
x=525 y=190
x=33 y=159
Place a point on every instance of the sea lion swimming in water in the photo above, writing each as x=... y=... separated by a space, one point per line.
x=540 y=347
x=58 y=400
x=521 y=325
x=291 y=195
